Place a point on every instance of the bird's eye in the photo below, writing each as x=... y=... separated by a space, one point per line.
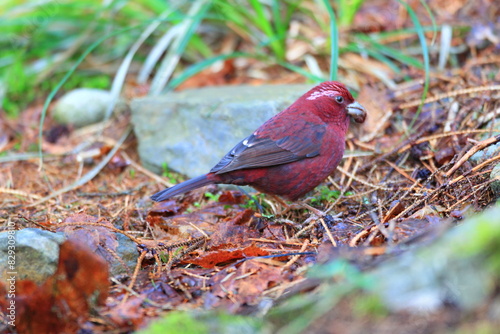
x=339 y=99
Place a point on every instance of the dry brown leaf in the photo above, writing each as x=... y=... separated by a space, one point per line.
x=62 y=303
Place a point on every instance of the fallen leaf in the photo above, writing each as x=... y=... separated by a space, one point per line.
x=220 y=256
x=128 y=314
x=62 y=303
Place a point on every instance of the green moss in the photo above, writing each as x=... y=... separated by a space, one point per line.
x=176 y=322
x=201 y=323
x=369 y=305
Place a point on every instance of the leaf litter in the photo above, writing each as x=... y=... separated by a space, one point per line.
x=399 y=185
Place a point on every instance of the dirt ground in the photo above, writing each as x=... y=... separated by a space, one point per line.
x=408 y=168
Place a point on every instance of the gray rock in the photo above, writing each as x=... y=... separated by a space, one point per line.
x=486 y=154
x=495 y=185
x=456 y=268
x=36 y=253
x=491 y=150
x=193 y=129
x=83 y=106
x=126 y=251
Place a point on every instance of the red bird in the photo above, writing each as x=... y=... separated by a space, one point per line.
x=291 y=153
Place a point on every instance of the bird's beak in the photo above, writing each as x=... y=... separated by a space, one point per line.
x=357 y=112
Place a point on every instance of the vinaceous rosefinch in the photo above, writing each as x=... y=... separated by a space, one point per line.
x=291 y=153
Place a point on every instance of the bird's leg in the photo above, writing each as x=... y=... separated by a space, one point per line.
x=257 y=204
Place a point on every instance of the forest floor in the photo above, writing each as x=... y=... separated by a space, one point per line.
x=406 y=171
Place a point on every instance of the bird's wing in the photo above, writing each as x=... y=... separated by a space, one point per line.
x=263 y=151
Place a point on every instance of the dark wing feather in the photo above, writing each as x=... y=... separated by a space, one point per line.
x=255 y=151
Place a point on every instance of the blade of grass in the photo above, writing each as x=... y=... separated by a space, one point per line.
x=383 y=35
x=312 y=65
x=353 y=47
x=156 y=53
x=233 y=17
x=301 y=71
x=119 y=78
x=68 y=53
x=445 y=45
x=433 y=21
x=275 y=42
x=347 y=10
x=26 y=156
x=200 y=46
x=68 y=74
x=425 y=54
x=200 y=66
x=90 y=174
x=264 y=24
x=99 y=18
x=278 y=22
x=334 y=41
x=194 y=17
x=388 y=51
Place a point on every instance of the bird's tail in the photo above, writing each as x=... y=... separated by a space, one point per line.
x=181 y=188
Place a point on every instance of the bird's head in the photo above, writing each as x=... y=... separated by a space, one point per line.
x=334 y=101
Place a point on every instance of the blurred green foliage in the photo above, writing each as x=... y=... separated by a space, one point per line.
x=41 y=41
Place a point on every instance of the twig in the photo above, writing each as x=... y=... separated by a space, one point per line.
x=378 y=127
x=399 y=170
x=18 y=193
x=366 y=183
x=330 y=236
x=135 y=274
x=417 y=203
x=116 y=257
x=480 y=187
x=91 y=174
x=344 y=189
x=163 y=247
x=357 y=237
x=116 y=194
x=146 y=300
x=120 y=193
x=398 y=149
x=438 y=97
x=43 y=227
x=173 y=259
x=112 y=228
x=146 y=172
x=478 y=147
x=296 y=257
x=287 y=243
x=438 y=136
x=478 y=167
x=310 y=224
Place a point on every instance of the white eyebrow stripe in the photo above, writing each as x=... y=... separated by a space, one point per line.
x=321 y=93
